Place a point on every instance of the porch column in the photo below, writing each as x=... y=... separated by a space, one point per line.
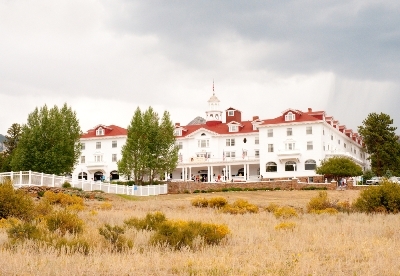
x=183 y=173
x=190 y=172
x=230 y=172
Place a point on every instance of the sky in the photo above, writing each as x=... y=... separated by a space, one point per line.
x=105 y=58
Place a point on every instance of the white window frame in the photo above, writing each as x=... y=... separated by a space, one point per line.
x=231 y=154
x=83 y=146
x=257 y=140
x=100 y=131
x=257 y=153
x=83 y=159
x=290 y=146
x=178 y=132
x=233 y=128
x=310 y=145
x=290 y=116
x=270 y=132
x=270 y=147
x=114 y=144
x=289 y=131
x=231 y=112
x=230 y=142
x=114 y=157
x=179 y=145
x=98 y=145
x=98 y=158
x=203 y=143
x=309 y=130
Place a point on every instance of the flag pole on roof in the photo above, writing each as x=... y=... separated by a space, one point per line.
x=213 y=88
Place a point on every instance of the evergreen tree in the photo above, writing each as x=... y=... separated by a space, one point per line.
x=381 y=143
x=49 y=141
x=10 y=144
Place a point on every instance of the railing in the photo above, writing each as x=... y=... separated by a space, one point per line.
x=29 y=178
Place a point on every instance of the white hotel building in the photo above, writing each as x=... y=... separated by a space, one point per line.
x=225 y=147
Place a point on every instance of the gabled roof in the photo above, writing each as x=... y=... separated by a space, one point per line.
x=110 y=131
x=231 y=108
x=304 y=117
x=234 y=123
x=292 y=110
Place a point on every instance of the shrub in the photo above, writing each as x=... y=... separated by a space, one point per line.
x=200 y=202
x=24 y=231
x=106 y=206
x=43 y=208
x=217 y=202
x=179 y=234
x=114 y=234
x=314 y=188
x=271 y=207
x=66 y=185
x=382 y=198
x=62 y=199
x=64 y=221
x=150 y=222
x=285 y=212
x=319 y=203
x=286 y=225
x=15 y=203
x=330 y=211
x=240 y=206
x=75 y=245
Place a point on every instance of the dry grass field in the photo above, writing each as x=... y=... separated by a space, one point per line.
x=340 y=244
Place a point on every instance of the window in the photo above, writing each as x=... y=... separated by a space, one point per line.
x=114 y=157
x=82 y=146
x=257 y=153
x=178 y=132
x=98 y=158
x=289 y=146
x=203 y=143
x=114 y=144
x=344 y=144
x=290 y=166
x=83 y=159
x=230 y=142
x=98 y=145
x=257 y=140
x=338 y=142
x=99 y=131
x=310 y=179
x=290 y=117
x=233 y=128
x=289 y=131
x=310 y=165
x=309 y=145
x=270 y=147
x=323 y=132
x=308 y=130
x=332 y=137
x=230 y=154
x=355 y=151
x=179 y=145
x=270 y=133
x=230 y=112
x=271 y=167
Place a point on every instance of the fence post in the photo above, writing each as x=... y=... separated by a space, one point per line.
x=52 y=181
x=41 y=180
x=30 y=178
x=20 y=177
x=12 y=176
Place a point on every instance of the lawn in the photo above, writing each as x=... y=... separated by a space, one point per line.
x=340 y=244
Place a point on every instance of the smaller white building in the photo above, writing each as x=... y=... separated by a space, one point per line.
x=101 y=149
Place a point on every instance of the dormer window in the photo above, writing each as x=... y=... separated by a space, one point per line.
x=178 y=132
x=99 y=131
x=231 y=112
x=233 y=128
x=290 y=116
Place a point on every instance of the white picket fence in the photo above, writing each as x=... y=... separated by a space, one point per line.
x=29 y=178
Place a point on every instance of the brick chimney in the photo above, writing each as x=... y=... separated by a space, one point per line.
x=309 y=109
x=255 y=118
x=177 y=124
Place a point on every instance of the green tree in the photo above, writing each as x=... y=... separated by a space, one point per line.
x=338 y=166
x=10 y=144
x=49 y=141
x=381 y=143
x=150 y=147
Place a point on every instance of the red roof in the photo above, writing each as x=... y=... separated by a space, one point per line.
x=219 y=128
x=109 y=131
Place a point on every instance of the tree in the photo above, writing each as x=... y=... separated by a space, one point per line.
x=49 y=141
x=381 y=143
x=150 y=147
x=10 y=144
x=338 y=166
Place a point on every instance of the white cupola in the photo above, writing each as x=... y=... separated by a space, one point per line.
x=214 y=114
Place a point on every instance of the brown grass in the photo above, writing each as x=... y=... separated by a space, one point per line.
x=310 y=244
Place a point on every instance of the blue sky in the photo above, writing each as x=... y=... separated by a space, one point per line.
x=106 y=58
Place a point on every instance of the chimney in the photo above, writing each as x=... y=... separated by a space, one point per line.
x=255 y=118
x=309 y=109
x=177 y=124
